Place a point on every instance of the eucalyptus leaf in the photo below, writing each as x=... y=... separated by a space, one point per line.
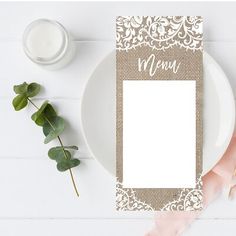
x=37 y=117
x=21 y=88
x=33 y=89
x=45 y=112
x=53 y=128
x=41 y=109
x=19 y=102
x=65 y=147
x=67 y=164
x=58 y=154
x=29 y=90
x=49 y=111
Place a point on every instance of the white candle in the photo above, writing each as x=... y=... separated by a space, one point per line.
x=47 y=43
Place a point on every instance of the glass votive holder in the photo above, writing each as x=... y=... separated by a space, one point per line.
x=48 y=44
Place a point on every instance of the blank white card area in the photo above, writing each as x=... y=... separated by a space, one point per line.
x=159 y=134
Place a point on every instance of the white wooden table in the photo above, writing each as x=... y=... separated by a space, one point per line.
x=35 y=199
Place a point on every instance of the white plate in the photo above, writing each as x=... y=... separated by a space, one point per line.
x=99 y=123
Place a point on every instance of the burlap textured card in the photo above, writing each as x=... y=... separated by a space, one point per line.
x=159 y=113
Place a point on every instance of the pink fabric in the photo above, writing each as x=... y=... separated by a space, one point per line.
x=232 y=193
x=221 y=176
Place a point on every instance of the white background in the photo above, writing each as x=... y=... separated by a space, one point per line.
x=37 y=200
x=159 y=134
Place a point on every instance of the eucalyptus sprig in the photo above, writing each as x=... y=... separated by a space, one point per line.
x=52 y=126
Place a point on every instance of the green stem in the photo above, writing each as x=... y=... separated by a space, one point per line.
x=62 y=146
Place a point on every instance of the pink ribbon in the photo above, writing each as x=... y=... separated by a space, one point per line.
x=214 y=182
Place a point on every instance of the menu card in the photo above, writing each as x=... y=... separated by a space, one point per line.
x=159 y=113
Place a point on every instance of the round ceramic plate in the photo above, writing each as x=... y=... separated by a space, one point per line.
x=98 y=113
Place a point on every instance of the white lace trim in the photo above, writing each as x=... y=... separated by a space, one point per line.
x=159 y=33
x=188 y=200
x=127 y=201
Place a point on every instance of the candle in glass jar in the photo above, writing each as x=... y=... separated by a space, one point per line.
x=47 y=43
